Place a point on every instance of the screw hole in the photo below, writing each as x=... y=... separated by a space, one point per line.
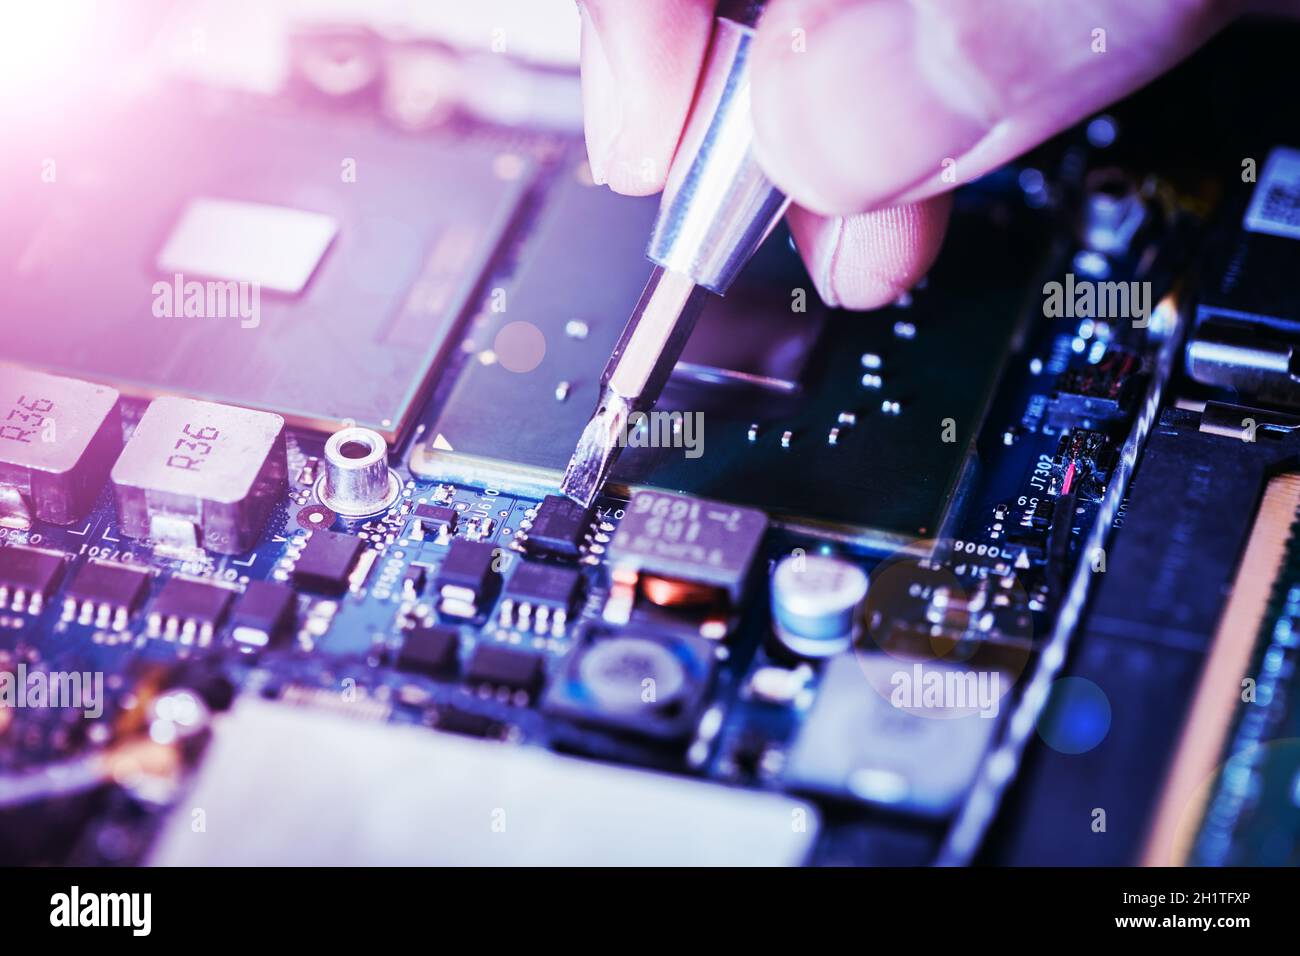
x=354 y=449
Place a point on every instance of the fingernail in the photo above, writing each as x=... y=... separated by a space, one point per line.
x=822 y=261
x=862 y=107
x=602 y=109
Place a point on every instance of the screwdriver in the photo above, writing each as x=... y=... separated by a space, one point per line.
x=717 y=208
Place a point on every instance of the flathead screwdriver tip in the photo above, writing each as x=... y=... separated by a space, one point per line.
x=598 y=447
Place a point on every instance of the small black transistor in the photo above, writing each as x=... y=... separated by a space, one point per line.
x=326 y=562
x=189 y=610
x=506 y=667
x=433 y=518
x=264 y=613
x=102 y=584
x=27 y=578
x=433 y=651
x=559 y=528
x=540 y=597
x=467 y=579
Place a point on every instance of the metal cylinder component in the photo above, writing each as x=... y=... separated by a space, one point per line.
x=718 y=205
x=357 y=481
x=815 y=604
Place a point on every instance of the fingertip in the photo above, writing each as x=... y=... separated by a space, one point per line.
x=639 y=63
x=868 y=260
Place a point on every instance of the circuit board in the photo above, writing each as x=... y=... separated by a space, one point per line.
x=888 y=614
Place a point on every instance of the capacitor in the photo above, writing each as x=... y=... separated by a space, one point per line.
x=815 y=603
x=357 y=481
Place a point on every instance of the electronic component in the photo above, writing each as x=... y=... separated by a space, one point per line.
x=104 y=595
x=857 y=744
x=298 y=785
x=1080 y=464
x=327 y=561
x=866 y=483
x=540 y=598
x=263 y=614
x=357 y=481
x=434 y=519
x=1093 y=394
x=779 y=685
x=692 y=539
x=467 y=579
x=27 y=578
x=198 y=474
x=430 y=650
x=188 y=611
x=412 y=229
x=274 y=247
x=58 y=438
x=414 y=579
x=508 y=667
x=650 y=685
x=467 y=723
x=1247 y=324
x=559 y=528
x=816 y=602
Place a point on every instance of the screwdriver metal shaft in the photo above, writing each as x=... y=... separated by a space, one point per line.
x=717 y=208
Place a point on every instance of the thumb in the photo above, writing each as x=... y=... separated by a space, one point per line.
x=860 y=104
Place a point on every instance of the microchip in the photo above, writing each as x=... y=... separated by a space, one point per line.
x=104 y=595
x=188 y=611
x=27 y=578
x=372 y=274
x=433 y=651
x=326 y=562
x=433 y=518
x=467 y=580
x=506 y=667
x=952 y=369
x=198 y=474
x=688 y=539
x=264 y=612
x=540 y=598
x=58 y=438
x=559 y=528
x=458 y=720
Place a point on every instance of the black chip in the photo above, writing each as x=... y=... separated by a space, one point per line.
x=506 y=667
x=430 y=650
x=115 y=585
x=435 y=517
x=457 y=720
x=415 y=579
x=327 y=561
x=28 y=577
x=559 y=528
x=469 y=567
x=544 y=584
x=264 y=612
x=181 y=601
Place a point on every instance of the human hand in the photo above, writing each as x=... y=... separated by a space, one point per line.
x=860 y=106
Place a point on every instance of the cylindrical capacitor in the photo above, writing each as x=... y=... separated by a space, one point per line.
x=357 y=481
x=815 y=603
